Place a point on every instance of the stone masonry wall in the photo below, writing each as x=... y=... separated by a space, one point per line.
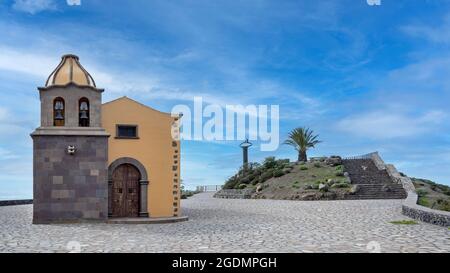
x=71 y=96
x=70 y=187
x=409 y=206
x=234 y=193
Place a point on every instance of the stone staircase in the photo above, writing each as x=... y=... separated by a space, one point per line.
x=372 y=183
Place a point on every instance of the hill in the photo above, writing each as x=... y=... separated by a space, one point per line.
x=318 y=179
x=432 y=195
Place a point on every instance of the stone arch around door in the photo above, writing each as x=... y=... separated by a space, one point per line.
x=143 y=183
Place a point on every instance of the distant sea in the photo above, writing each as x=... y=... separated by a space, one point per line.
x=15 y=196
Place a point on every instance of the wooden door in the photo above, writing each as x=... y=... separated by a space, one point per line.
x=125 y=191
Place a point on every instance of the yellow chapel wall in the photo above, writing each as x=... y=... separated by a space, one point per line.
x=154 y=149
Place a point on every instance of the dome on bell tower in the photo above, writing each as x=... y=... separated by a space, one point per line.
x=68 y=71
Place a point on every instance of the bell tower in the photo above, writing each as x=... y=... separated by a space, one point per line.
x=70 y=148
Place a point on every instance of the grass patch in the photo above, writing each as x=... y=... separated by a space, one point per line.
x=423 y=201
x=404 y=222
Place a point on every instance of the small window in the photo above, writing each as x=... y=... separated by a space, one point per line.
x=58 y=112
x=84 y=112
x=127 y=131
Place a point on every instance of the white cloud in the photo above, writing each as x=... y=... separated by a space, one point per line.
x=34 y=6
x=385 y=125
x=3 y=114
x=28 y=63
x=437 y=33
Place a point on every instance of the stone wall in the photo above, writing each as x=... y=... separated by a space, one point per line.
x=409 y=206
x=70 y=187
x=234 y=193
x=421 y=213
x=71 y=95
x=16 y=202
x=378 y=161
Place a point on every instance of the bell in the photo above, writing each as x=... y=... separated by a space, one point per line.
x=84 y=115
x=59 y=115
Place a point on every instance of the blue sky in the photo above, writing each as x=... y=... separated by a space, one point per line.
x=366 y=78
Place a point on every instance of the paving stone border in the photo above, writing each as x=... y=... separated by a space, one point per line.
x=410 y=207
x=16 y=202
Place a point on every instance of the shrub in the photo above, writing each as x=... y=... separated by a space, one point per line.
x=255 y=181
x=339 y=173
x=245 y=180
x=283 y=161
x=421 y=192
x=423 y=201
x=267 y=175
x=269 y=162
x=231 y=183
x=303 y=168
x=340 y=168
x=186 y=193
x=278 y=173
x=254 y=165
x=242 y=186
x=251 y=177
x=317 y=165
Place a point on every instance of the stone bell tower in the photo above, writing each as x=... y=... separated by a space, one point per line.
x=70 y=148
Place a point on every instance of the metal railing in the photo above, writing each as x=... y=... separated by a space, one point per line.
x=209 y=188
x=366 y=156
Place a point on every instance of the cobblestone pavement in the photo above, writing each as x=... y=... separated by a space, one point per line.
x=224 y=225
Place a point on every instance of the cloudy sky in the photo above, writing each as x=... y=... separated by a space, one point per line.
x=366 y=78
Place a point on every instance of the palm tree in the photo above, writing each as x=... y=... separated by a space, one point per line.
x=302 y=139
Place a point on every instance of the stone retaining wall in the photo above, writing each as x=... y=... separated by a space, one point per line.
x=378 y=161
x=16 y=202
x=409 y=206
x=234 y=193
x=421 y=213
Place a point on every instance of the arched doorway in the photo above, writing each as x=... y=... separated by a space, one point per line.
x=127 y=188
x=125 y=191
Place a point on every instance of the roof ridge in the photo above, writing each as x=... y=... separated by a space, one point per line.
x=139 y=103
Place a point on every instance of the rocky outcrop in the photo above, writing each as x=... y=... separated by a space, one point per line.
x=334 y=161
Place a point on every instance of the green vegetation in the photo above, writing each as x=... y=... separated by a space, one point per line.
x=186 y=193
x=432 y=195
x=280 y=179
x=256 y=173
x=404 y=222
x=302 y=139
